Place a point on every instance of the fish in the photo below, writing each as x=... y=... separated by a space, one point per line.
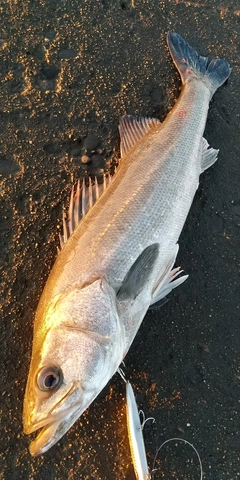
x=118 y=248
x=137 y=447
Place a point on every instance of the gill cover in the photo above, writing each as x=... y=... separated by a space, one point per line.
x=79 y=354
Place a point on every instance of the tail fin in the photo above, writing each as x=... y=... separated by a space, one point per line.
x=190 y=64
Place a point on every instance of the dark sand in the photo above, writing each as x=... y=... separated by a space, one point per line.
x=70 y=69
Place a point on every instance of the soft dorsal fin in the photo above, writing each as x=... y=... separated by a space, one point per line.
x=132 y=129
x=139 y=273
x=80 y=203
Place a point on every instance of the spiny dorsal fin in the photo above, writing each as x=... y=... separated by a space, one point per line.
x=80 y=203
x=132 y=129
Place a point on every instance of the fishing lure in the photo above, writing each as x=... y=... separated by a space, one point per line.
x=137 y=447
x=135 y=435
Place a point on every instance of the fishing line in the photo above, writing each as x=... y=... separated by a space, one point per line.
x=122 y=374
x=144 y=420
x=179 y=440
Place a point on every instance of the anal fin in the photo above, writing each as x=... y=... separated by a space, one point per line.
x=209 y=155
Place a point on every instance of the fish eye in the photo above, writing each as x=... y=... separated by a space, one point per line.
x=49 y=378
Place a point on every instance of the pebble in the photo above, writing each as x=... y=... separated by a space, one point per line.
x=235 y=209
x=49 y=72
x=215 y=224
x=16 y=86
x=67 y=53
x=75 y=150
x=51 y=148
x=46 y=78
x=21 y=134
x=183 y=298
x=97 y=161
x=85 y=159
x=50 y=35
x=159 y=95
x=91 y=142
x=8 y=167
x=193 y=375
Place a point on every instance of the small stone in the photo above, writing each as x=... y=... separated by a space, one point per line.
x=50 y=35
x=235 y=209
x=52 y=148
x=46 y=79
x=182 y=299
x=215 y=224
x=148 y=88
x=8 y=167
x=21 y=134
x=49 y=72
x=91 y=142
x=159 y=95
x=16 y=86
x=85 y=159
x=156 y=96
x=97 y=161
x=75 y=150
x=67 y=53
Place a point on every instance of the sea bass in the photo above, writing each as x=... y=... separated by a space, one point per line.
x=118 y=259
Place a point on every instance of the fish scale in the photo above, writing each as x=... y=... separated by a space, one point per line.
x=122 y=213
x=128 y=221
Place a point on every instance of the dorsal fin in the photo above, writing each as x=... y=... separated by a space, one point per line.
x=80 y=203
x=132 y=129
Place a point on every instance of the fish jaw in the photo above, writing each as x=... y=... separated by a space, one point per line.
x=54 y=426
x=56 y=422
x=45 y=439
x=50 y=434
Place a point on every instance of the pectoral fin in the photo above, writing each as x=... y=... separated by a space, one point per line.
x=139 y=273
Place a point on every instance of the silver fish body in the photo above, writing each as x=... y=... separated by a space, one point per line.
x=118 y=259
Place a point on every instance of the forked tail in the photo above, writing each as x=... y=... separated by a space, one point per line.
x=191 y=65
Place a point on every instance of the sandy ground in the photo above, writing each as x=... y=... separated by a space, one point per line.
x=69 y=70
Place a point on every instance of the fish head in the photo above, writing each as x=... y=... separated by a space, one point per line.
x=77 y=347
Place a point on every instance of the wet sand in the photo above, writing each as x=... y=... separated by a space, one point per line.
x=69 y=70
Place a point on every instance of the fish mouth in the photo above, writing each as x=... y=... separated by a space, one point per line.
x=41 y=424
x=57 y=422
x=45 y=439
